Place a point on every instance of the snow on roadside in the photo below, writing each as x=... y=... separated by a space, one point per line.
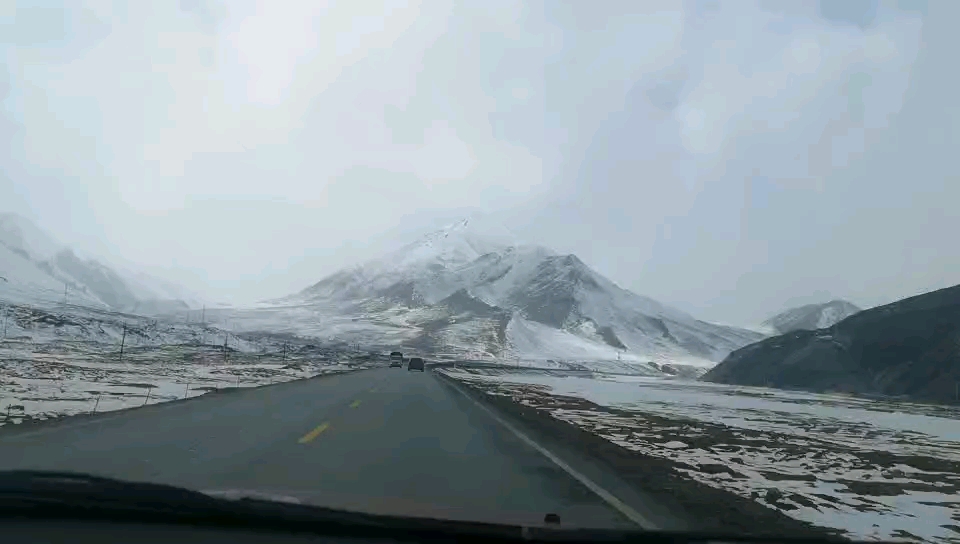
x=37 y=385
x=876 y=469
x=849 y=420
x=59 y=359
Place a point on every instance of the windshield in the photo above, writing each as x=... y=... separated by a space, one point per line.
x=685 y=265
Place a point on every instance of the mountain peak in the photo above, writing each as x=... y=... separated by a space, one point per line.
x=477 y=227
x=448 y=230
x=461 y=224
x=811 y=316
x=456 y=244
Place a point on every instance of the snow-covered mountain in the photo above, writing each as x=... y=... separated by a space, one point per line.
x=463 y=285
x=810 y=317
x=34 y=267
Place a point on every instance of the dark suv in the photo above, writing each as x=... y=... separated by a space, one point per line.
x=416 y=363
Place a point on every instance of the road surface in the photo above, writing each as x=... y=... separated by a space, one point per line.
x=383 y=440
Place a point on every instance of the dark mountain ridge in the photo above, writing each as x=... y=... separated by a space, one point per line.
x=909 y=348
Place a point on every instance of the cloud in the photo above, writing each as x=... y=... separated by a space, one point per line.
x=861 y=13
x=724 y=157
x=666 y=190
x=176 y=105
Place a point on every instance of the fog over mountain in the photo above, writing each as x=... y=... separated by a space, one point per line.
x=729 y=159
x=36 y=268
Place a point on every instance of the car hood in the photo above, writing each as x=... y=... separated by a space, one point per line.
x=238 y=494
x=387 y=506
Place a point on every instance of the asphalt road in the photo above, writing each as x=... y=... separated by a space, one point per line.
x=384 y=440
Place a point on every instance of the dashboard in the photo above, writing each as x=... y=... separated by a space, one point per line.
x=71 y=532
x=29 y=531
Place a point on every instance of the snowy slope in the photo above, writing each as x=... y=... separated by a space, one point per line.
x=35 y=268
x=810 y=317
x=427 y=260
x=23 y=280
x=522 y=301
x=22 y=236
x=147 y=286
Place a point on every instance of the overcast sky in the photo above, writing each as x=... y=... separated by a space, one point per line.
x=729 y=158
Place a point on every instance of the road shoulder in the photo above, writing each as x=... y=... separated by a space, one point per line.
x=648 y=485
x=31 y=425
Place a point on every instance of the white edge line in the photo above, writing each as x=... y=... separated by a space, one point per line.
x=607 y=497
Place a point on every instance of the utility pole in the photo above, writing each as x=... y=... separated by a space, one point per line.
x=225 y=336
x=123 y=340
x=64 y=293
x=203 y=314
x=284 y=353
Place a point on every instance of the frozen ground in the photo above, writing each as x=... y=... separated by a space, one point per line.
x=872 y=468
x=46 y=381
x=60 y=360
x=589 y=368
x=386 y=326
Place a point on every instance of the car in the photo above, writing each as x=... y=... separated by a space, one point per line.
x=416 y=363
x=396 y=359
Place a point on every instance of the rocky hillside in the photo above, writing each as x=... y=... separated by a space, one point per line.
x=810 y=317
x=909 y=348
x=459 y=285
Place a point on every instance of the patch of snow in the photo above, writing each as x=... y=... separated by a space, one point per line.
x=875 y=469
x=737 y=406
x=42 y=386
x=22 y=280
x=532 y=341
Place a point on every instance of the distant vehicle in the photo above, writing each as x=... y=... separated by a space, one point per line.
x=396 y=359
x=416 y=363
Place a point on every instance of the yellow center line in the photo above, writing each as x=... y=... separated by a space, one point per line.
x=355 y=403
x=314 y=433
